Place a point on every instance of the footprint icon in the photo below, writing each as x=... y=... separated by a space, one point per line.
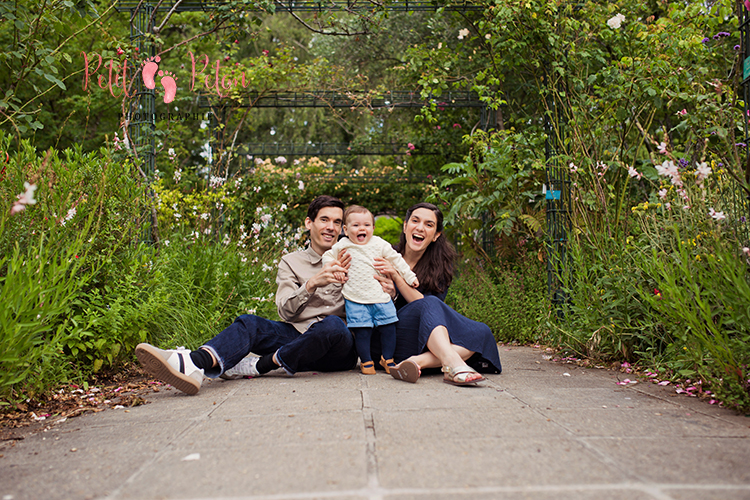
x=169 y=84
x=150 y=67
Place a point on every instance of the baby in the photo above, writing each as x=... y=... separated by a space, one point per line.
x=367 y=305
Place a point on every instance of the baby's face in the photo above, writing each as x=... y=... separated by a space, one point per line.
x=359 y=228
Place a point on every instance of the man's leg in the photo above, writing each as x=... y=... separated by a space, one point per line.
x=247 y=334
x=326 y=346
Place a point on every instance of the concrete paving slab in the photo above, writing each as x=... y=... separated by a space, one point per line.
x=713 y=492
x=283 y=470
x=626 y=492
x=698 y=460
x=469 y=463
x=529 y=433
x=443 y=423
x=643 y=423
x=265 y=432
x=588 y=398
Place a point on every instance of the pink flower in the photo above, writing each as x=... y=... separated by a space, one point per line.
x=410 y=146
x=682 y=112
x=663 y=148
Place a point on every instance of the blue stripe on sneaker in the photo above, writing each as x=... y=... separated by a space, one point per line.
x=182 y=362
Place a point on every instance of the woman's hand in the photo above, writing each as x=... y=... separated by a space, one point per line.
x=387 y=285
x=384 y=267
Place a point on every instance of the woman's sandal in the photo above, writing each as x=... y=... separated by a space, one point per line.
x=460 y=375
x=368 y=367
x=407 y=370
x=388 y=364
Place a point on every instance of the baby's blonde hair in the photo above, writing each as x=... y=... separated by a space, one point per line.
x=357 y=209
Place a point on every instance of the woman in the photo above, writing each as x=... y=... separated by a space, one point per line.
x=429 y=333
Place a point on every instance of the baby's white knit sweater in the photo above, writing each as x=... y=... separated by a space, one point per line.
x=362 y=287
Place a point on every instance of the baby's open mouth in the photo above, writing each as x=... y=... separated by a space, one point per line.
x=361 y=237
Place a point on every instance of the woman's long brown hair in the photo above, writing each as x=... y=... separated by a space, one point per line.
x=435 y=269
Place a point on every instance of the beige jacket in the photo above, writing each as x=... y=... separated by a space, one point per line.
x=295 y=304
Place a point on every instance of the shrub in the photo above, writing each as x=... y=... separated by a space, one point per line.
x=511 y=298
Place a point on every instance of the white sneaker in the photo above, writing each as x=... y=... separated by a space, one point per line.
x=172 y=366
x=245 y=368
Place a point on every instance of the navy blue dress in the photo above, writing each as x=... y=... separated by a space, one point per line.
x=417 y=319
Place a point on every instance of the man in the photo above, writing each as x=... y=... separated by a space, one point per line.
x=312 y=337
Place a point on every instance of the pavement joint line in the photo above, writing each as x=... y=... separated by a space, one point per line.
x=192 y=423
x=373 y=480
x=657 y=490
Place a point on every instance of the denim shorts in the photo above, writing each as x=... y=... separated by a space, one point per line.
x=363 y=315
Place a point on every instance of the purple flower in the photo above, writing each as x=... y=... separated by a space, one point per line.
x=705 y=40
x=716 y=37
x=722 y=33
x=736 y=47
x=741 y=145
x=742 y=219
x=683 y=162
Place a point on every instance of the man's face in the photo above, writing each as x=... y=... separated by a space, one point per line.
x=325 y=229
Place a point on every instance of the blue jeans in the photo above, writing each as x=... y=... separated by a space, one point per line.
x=326 y=346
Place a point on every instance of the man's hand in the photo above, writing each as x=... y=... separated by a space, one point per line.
x=344 y=259
x=327 y=275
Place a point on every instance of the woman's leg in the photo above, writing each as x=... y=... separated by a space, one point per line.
x=442 y=353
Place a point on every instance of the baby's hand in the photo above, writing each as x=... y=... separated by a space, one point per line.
x=340 y=276
x=415 y=284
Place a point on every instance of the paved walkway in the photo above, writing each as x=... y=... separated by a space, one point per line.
x=532 y=433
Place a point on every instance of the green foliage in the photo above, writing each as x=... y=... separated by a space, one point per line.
x=79 y=288
x=389 y=228
x=511 y=298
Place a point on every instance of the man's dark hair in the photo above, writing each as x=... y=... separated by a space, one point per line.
x=322 y=202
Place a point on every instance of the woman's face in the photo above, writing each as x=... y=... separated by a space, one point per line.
x=420 y=230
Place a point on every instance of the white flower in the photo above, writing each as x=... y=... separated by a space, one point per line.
x=463 y=33
x=616 y=21
x=27 y=198
x=204 y=216
x=280 y=160
x=668 y=168
x=573 y=168
x=634 y=173
x=716 y=215
x=487 y=36
x=662 y=148
x=702 y=171
x=301 y=185
x=283 y=207
x=746 y=251
x=662 y=193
